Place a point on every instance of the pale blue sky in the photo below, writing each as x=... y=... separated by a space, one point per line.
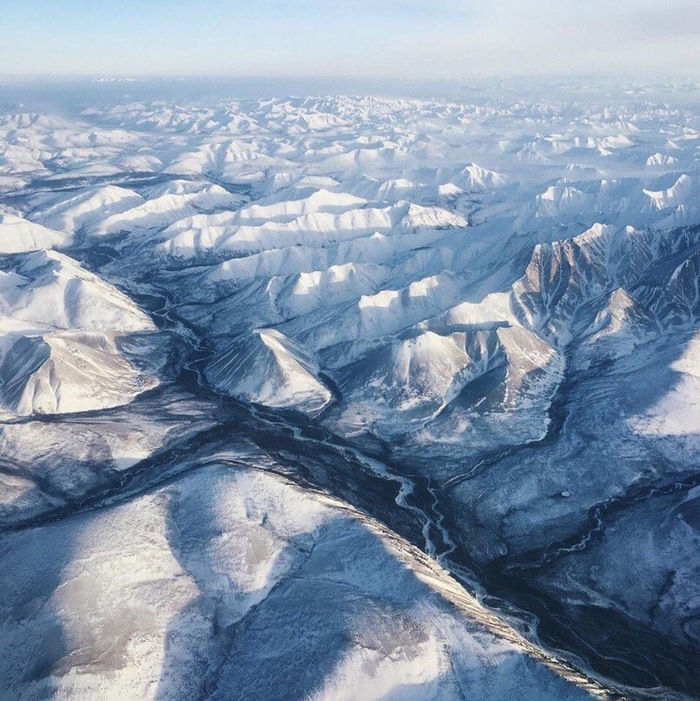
x=387 y=38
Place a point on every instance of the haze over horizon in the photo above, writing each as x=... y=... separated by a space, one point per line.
x=314 y=38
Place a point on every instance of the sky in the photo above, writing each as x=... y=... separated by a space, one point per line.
x=417 y=39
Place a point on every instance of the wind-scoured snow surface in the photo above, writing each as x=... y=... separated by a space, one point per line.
x=352 y=397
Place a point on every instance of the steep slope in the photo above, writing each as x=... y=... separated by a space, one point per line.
x=18 y=235
x=67 y=372
x=65 y=339
x=49 y=290
x=269 y=368
x=84 y=209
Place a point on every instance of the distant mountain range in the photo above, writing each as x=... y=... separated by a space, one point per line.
x=298 y=401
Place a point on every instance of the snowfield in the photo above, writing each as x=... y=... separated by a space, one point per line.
x=352 y=397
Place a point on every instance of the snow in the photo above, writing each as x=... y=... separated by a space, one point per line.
x=499 y=292
x=61 y=339
x=270 y=369
x=46 y=289
x=84 y=209
x=139 y=598
x=18 y=235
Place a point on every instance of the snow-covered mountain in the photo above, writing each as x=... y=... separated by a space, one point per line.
x=386 y=398
x=69 y=341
